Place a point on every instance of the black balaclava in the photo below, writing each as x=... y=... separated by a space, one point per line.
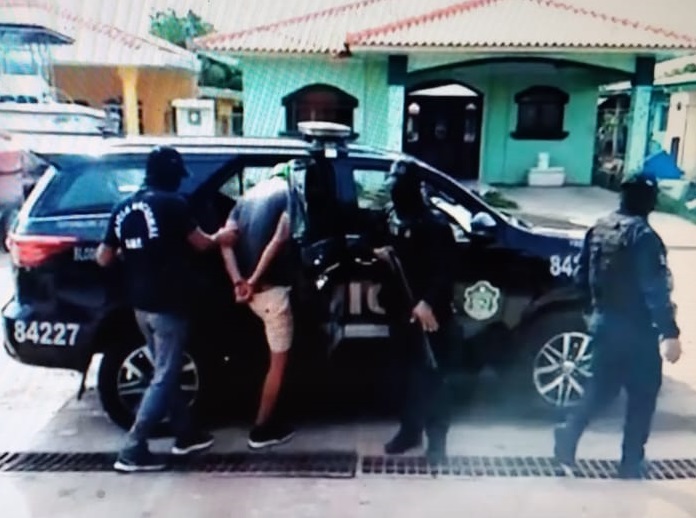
x=405 y=192
x=165 y=169
x=639 y=195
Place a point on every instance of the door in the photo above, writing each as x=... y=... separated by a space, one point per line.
x=445 y=132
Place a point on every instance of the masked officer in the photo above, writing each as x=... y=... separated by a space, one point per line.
x=623 y=273
x=424 y=246
x=153 y=229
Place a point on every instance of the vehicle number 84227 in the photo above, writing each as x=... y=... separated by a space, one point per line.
x=46 y=333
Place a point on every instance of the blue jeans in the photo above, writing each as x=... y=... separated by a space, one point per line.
x=166 y=337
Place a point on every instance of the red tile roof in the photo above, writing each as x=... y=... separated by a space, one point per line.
x=20 y=11
x=638 y=24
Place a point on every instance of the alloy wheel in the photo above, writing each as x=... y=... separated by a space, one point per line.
x=562 y=368
x=137 y=370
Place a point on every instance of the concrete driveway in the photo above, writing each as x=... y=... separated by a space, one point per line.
x=584 y=205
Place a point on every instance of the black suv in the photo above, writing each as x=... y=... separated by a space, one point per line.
x=514 y=299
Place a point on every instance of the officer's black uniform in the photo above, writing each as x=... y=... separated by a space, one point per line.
x=623 y=272
x=424 y=245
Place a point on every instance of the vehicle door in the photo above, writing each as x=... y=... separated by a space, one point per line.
x=322 y=222
x=361 y=183
x=218 y=315
x=495 y=282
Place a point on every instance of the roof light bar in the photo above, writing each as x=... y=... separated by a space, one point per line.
x=326 y=137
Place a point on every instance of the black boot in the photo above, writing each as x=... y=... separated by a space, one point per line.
x=403 y=441
x=565 y=445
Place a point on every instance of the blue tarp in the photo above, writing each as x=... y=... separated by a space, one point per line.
x=663 y=166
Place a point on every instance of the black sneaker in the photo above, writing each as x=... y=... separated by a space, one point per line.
x=196 y=442
x=270 y=434
x=134 y=461
x=564 y=448
x=402 y=442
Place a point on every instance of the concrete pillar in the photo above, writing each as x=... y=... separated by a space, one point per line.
x=639 y=130
x=129 y=87
x=396 y=80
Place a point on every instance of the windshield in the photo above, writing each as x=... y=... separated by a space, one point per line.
x=20 y=61
x=476 y=202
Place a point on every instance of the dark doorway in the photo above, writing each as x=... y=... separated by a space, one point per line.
x=443 y=128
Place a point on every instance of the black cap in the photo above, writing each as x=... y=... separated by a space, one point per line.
x=167 y=160
x=641 y=180
x=639 y=194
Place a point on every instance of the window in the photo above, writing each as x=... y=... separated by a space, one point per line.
x=540 y=112
x=250 y=176
x=92 y=188
x=318 y=103
x=370 y=185
x=664 y=116
x=114 y=108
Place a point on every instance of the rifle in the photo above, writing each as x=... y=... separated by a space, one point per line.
x=396 y=267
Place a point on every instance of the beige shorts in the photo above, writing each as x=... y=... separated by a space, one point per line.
x=272 y=306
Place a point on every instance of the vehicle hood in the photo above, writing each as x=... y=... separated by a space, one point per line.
x=551 y=226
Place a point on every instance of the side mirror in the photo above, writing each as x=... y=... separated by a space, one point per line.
x=484 y=227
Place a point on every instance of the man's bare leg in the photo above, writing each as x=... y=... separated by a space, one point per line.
x=271 y=387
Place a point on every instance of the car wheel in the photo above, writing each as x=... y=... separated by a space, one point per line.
x=557 y=360
x=124 y=375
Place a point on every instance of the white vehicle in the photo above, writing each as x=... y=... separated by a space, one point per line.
x=31 y=108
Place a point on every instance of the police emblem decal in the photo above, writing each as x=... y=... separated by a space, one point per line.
x=481 y=301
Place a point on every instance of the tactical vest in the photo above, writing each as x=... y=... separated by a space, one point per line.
x=611 y=266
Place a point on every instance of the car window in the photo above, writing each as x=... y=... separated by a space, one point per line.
x=248 y=178
x=371 y=188
x=459 y=218
x=95 y=186
x=90 y=188
x=298 y=200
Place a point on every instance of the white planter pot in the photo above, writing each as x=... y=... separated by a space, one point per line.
x=551 y=177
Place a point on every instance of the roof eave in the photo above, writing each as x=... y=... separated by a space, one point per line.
x=192 y=70
x=664 y=52
x=319 y=53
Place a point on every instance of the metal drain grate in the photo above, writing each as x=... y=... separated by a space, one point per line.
x=536 y=467
x=296 y=465
x=345 y=465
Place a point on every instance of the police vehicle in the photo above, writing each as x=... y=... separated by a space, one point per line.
x=514 y=302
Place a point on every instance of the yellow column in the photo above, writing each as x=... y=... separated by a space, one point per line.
x=129 y=86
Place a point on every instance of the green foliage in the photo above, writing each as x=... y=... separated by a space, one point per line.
x=219 y=75
x=690 y=68
x=178 y=29
x=497 y=200
x=669 y=205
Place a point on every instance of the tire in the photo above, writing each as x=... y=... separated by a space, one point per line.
x=113 y=377
x=555 y=361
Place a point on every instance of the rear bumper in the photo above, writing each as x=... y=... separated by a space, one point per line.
x=46 y=339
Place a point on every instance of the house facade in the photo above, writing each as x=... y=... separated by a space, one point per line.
x=673 y=117
x=485 y=90
x=137 y=76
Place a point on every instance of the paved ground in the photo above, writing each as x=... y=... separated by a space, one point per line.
x=205 y=496
x=38 y=412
